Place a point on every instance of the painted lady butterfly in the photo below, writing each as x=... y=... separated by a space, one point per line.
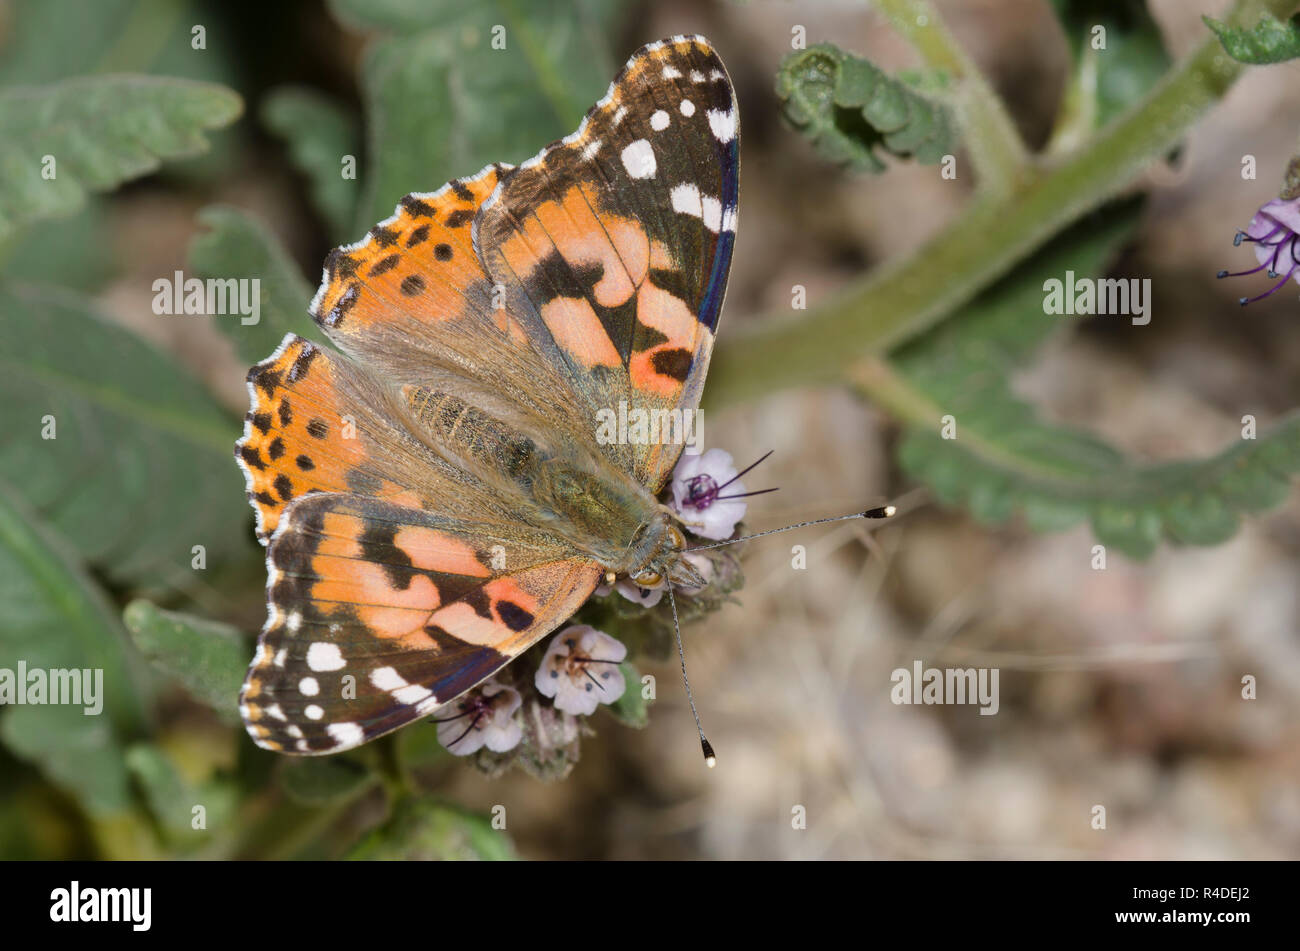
x=433 y=498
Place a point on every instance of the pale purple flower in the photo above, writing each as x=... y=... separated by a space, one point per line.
x=580 y=670
x=1275 y=233
x=707 y=494
x=483 y=717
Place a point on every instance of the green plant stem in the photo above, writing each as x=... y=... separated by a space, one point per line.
x=905 y=298
x=989 y=134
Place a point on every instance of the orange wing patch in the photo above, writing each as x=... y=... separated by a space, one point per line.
x=416 y=266
x=298 y=437
x=605 y=262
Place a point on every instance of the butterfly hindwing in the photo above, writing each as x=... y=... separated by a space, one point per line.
x=379 y=613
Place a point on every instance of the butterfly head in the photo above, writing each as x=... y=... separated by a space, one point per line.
x=658 y=554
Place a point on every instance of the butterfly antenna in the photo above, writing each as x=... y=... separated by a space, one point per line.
x=710 y=759
x=884 y=511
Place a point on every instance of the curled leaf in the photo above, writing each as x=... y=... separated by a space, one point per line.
x=849 y=109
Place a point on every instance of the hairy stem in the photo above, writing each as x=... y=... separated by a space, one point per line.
x=989 y=135
x=904 y=298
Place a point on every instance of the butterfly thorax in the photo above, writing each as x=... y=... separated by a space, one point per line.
x=614 y=519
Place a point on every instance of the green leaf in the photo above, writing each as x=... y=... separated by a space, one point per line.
x=849 y=110
x=76 y=252
x=1119 y=55
x=319 y=132
x=39 y=47
x=53 y=617
x=237 y=245
x=318 y=780
x=441 y=102
x=99 y=132
x=1269 y=41
x=140 y=468
x=425 y=830
x=631 y=709
x=164 y=790
x=207 y=658
x=1005 y=460
x=172 y=799
x=138 y=36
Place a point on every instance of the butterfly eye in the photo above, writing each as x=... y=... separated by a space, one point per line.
x=676 y=538
x=649 y=578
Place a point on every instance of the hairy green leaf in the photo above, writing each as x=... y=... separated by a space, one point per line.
x=114 y=444
x=208 y=658
x=1005 y=460
x=92 y=134
x=425 y=829
x=1269 y=41
x=52 y=617
x=320 y=135
x=850 y=110
x=76 y=252
x=444 y=98
x=237 y=245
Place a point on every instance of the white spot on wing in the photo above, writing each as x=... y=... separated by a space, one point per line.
x=659 y=121
x=324 y=656
x=346 y=734
x=712 y=215
x=313 y=712
x=672 y=73
x=723 y=124
x=688 y=108
x=308 y=687
x=387 y=678
x=412 y=694
x=639 y=159
x=686 y=199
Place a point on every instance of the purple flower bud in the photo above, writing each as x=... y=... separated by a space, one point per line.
x=706 y=491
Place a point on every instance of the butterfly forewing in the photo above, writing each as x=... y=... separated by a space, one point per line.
x=621 y=236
